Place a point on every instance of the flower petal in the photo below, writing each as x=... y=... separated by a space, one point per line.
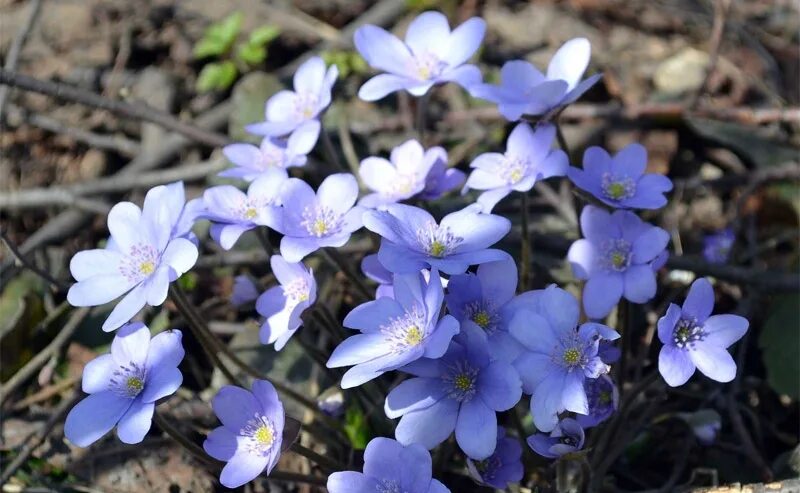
x=98 y=290
x=601 y=293
x=476 y=429
x=430 y=426
x=96 y=262
x=338 y=192
x=382 y=85
x=640 y=283
x=464 y=41
x=131 y=345
x=382 y=50
x=126 y=308
x=242 y=468
x=724 y=330
x=94 y=416
x=412 y=395
x=98 y=373
x=500 y=386
x=235 y=406
x=570 y=61
x=700 y=300
x=220 y=444
x=713 y=361
x=675 y=365
x=136 y=422
x=351 y=482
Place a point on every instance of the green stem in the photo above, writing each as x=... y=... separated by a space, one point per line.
x=336 y=259
x=422 y=113
x=525 y=254
x=319 y=459
x=562 y=142
x=330 y=151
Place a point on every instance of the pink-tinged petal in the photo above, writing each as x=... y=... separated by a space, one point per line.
x=465 y=40
x=136 y=422
x=126 y=308
x=382 y=85
x=98 y=373
x=94 y=416
x=382 y=50
x=713 y=361
x=124 y=224
x=96 y=262
x=98 y=290
x=220 y=444
x=631 y=160
x=429 y=32
x=430 y=426
x=245 y=155
x=338 y=192
x=570 y=61
x=667 y=323
x=131 y=345
x=309 y=76
x=675 y=365
x=601 y=293
x=583 y=258
x=724 y=330
x=358 y=349
x=476 y=429
x=351 y=482
x=640 y=283
x=700 y=300
x=412 y=395
x=242 y=468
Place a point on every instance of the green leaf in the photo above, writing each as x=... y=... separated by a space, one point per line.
x=780 y=345
x=228 y=73
x=230 y=26
x=216 y=76
x=263 y=35
x=208 y=47
x=356 y=428
x=219 y=37
x=251 y=54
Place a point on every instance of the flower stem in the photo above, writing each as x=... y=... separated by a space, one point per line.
x=422 y=113
x=562 y=142
x=319 y=459
x=330 y=151
x=336 y=259
x=263 y=238
x=525 y=246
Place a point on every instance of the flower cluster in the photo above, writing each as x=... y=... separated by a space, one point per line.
x=446 y=320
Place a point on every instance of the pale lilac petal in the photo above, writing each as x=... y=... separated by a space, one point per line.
x=162 y=382
x=560 y=308
x=351 y=482
x=467 y=76
x=437 y=343
x=309 y=76
x=430 y=426
x=489 y=199
x=94 y=416
x=382 y=50
x=546 y=401
x=700 y=300
x=98 y=290
x=357 y=349
x=97 y=373
x=338 y=192
x=428 y=32
x=244 y=155
x=378 y=174
x=242 y=468
x=382 y=85
x=97 y=262
x=724 y=330
x=281 y=108
x=412 y=395
x=640 y=283
x=294 y=249
x=601 y=293
x=713 y=361
x=437 y=487
x=500 y=386
x=136 y=422
x=476 y=429
x=235 y=406
x=570 y=61
x=581 y=88
x=302 y=140
x=477 y=230
x=631 y=160
x=368 y=317
x=532 y=369
x=124 y=224
x=675 y=365
x=220 y=444
x=667 y=323
x=465 y=40
x=574 y=395
x=519 y=76
x=131 y=345
x=583 y=258
x=533 y=331
x=126 y=308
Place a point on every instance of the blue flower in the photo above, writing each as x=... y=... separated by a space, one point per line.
x=603 y=401
x=251 y=161
x=395 y=331
x=412 y=240
x=504 y=466
x=567 y=437
x=694 y=340
x=717 y=247
x=462 y=391
x=615 y=258
x=283 y=305
x=559 y=356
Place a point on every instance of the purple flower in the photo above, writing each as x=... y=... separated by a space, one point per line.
x=389 y=467
x=504 y=466
x=310 y=221
x=621 y=181
x=412 y=240
x=524 y=90
x=566 y=438
x=142 y=257
x=559 y=356
x=282 y=305
x=615 y=259
x=406 y=174
x=462 y=391
x=528 y=158
x=251 y=161
x=372 y=268
x=299 y=110
x=717 y=247
x=693 y=339
x=395 y=331
x=232 y=212
x=431 y=54
x=244 y=290
x=124 y=385
x=705 y=424
x=487 y=300
x=603 y=401
x=250 y=437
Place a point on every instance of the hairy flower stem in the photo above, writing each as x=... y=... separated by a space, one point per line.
x=330 y=152
x=213 y=346
x=263 y=238
x=335 y=258
x=525 y=246
x=562 y=142
x=422 y=113
x=322 y=461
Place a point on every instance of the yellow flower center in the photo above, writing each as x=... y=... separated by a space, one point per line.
x=616 y=190
x=516 y=175
x=250 y=213
x=482 y=319
x=437 y=248
x=263 y=436
x=413 y=336
x=320 y=227
x=618 y=259
x=572 y=356
x=147 y=267
x=604 y=397
x=134 y=384
x=463 y=383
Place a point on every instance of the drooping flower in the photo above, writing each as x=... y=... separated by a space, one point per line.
x=462 y=391
x=603 y=401
x=299 y=110
x=283 y=305
x=621 y=181
x=524 y=90
x=528 y=158
x=395 y=331
x=244 y=290
x=566 y=438
x=124 y=385
x=310 y=221
x=614 y=258
x=413 y=241
x=558 y=356
x=372 y=268
x=431 y=54
x=487 y=300
x=407 y=173
x=251 y=161
x=694 y=340
x=441 y=178
x=233 y=212
x=141 y=258
x=717 y=246
x=251 y=434
x=504 y=466
x=389 y=467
